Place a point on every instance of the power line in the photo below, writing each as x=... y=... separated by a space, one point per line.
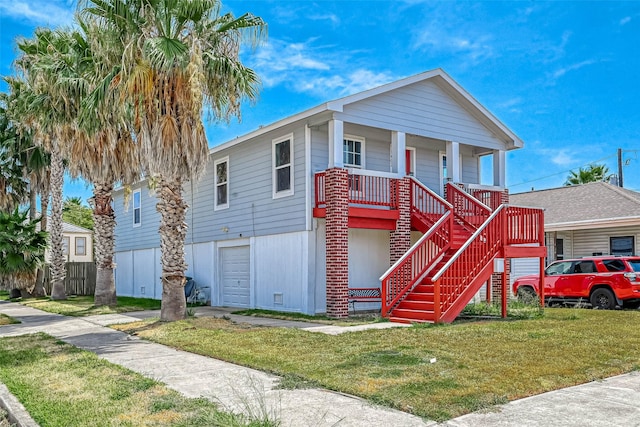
x=568 y=171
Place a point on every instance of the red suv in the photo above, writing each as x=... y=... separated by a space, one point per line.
x=605 y=282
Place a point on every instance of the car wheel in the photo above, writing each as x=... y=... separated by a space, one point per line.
x=527 y=295
x=603 y=299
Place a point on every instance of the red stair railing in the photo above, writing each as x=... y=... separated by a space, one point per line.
x=467 y=264
x=468 y=211
x=426 y=204
x=416 y=263
x=524 y=225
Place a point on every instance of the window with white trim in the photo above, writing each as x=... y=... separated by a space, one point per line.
x=65 y=245
x=353 y=151
x=81 y=246
x=137 y=208
x=221 y=197
x=283 y=166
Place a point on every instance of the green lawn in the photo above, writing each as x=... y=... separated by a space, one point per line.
x=63 y=386
x=476 y=364
x=83 y=305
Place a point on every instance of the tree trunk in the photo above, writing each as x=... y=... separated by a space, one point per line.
x=57 y=252
x=103 y=232
x=38 y=288
x=173 y=231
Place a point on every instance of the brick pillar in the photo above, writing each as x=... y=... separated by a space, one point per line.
x=496 y=278
x=337 y=241
x=400 y=238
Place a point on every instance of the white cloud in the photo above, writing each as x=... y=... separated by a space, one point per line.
x=304 y=68
x=326 y=17
x=39 y=12
x=625 y=20
x=562 y=71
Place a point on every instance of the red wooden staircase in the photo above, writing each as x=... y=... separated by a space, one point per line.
x=440 y=274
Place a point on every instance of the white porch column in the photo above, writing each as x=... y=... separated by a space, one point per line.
x=499 y=167
x=398 y=157
x=453 y=161
x=336 y=137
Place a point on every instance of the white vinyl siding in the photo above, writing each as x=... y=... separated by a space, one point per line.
x=221 y=176
x=422 y=109
x=283 y=182
x=588 y=242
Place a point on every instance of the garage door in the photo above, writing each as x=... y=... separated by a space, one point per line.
x=234 y=272
x=524 y=266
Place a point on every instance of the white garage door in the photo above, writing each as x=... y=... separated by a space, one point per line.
x=234 y=272
x=524 y=266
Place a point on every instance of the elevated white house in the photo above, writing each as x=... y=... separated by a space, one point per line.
x=298 y=214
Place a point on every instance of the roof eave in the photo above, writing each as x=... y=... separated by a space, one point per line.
x=593 y=223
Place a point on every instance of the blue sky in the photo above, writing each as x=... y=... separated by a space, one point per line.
x=564 y=76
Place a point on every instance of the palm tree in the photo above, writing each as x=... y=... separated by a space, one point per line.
x=104 y=152
x=593 y=173
x=13 y=185
x=33 y=162
x=22 y=249
x=49 y=107
x=177 y=55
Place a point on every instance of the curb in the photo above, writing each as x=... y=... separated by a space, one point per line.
x=16 y=413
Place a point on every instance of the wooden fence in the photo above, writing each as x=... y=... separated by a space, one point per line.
x=79 y=280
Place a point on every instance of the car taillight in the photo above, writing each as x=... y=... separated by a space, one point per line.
x=632 y=277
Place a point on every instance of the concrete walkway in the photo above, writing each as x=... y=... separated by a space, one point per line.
x=613 y=402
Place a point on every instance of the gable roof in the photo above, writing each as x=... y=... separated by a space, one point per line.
x=438 y=76
x=592 y=205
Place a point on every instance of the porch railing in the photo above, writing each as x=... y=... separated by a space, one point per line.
x=524 y=225
x=487 y=195
x=414 y=265
x=365 y=188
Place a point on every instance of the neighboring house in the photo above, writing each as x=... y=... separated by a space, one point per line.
x=583 y=220
x=77 y=242
x=293 y=215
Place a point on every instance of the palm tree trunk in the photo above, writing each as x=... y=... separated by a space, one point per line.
x=57 y=253
x=38 y=288
x=44 y=208
x=173 y=231
x=103 y=231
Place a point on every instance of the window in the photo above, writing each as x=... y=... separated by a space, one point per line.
x=65 y=245
x=137 y=209
x=559 y=248
x=559 y=268
x=81 y=245
x=621 y=245
x=353 y=151
x=614 y=265
x=222 y=183
x=283 y=166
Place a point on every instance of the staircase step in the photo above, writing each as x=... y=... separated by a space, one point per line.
x=407 y=321
x=412 y=315
x=424 y=288
x=416 y=305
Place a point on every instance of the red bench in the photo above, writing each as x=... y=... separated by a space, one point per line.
x=364 y=295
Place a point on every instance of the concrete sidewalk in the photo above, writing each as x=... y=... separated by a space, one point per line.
x=613 y=402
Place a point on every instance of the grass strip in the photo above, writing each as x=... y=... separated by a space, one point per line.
x=477 y=364
x=359 y=319
x=61 y=385
x=7 y=320
x=78 y=306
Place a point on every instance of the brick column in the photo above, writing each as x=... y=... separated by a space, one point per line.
x=496 y=278
x=337 y=241
x=400 y=238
